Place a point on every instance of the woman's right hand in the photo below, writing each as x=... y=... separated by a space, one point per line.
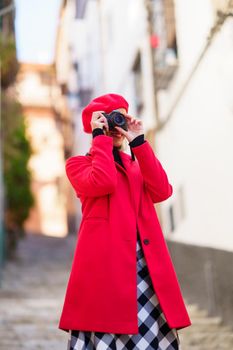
x=98 y=120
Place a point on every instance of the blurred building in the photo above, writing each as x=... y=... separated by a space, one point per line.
x=44 y=112
x=172 y=60
x=66 y=67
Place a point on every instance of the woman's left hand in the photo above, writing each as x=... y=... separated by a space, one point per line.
x=135 y=128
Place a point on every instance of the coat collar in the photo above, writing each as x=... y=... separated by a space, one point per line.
x=126 y=158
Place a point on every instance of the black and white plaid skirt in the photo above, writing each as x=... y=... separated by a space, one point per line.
x=154 y=332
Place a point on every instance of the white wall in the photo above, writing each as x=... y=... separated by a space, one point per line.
x=124 y=33
x=197 y=142
x=195 y=145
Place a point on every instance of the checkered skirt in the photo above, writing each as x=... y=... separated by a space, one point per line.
x=154 y=332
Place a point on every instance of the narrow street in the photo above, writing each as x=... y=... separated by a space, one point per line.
x=154 y=79
x=31 y=298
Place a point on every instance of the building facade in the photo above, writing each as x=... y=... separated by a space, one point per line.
x=39 y=95
x=172 y=60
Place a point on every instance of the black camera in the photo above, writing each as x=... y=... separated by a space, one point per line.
x=116 y=118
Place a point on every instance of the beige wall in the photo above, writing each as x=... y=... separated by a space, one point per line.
x=48 y=179
x=43 y=107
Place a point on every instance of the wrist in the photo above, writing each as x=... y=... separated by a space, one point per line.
x=97 y=131
x=136 y=141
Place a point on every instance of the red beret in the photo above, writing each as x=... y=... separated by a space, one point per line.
x=106 y=103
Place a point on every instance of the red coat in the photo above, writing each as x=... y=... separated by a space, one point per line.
x=101 y=293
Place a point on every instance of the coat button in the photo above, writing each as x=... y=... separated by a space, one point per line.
x=146 y=241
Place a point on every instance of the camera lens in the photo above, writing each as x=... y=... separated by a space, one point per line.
x=119 y=119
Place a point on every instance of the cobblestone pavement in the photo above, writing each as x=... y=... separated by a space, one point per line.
x=32 y=293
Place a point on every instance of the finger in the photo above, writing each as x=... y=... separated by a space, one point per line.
x=97 y=112
x=122 y=131
x=102 y=118
x=97 y=115
x=104 y=125
x=104 y=121
x=128 y=117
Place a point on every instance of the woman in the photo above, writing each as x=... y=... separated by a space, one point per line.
x=123 y=291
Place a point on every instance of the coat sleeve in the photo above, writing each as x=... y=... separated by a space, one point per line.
x=154 y=175
x=96 y=176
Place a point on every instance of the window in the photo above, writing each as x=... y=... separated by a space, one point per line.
x=171 y=218
x=80 y=8
x=166 y=53
x=169 y=16
x=137 y=75
x=45 y=78
x=176 y=211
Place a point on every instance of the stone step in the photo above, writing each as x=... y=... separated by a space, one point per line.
x=204 y=347
x=206 y=332
x=198 y=313
x=206 y=328
x=193 y=308
x=205 y=337
x=207 y=320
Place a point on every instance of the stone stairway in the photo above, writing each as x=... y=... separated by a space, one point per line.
x=205 y=333
x=31 y=298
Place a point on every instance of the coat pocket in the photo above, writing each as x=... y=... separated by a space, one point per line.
x=95 y=226
x=97 y=208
